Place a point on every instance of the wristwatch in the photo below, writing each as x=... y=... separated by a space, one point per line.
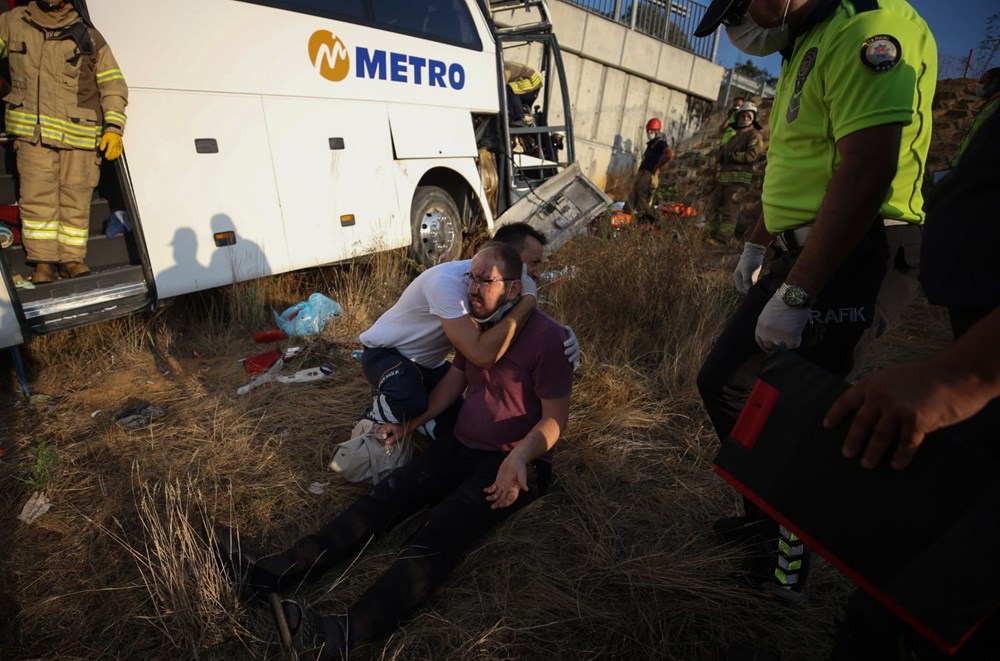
x=794 y=296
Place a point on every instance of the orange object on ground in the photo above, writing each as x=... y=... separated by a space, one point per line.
x=620 y=219
x=678 y=209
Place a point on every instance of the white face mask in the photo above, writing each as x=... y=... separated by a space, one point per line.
x=744 y=121
x=650 y=135
x=752 y=39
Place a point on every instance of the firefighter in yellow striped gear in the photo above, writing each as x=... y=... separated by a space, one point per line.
x=738 y=152
x=523 y=86
x=66 y=106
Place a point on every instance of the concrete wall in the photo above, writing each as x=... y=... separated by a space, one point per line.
x=619 y=78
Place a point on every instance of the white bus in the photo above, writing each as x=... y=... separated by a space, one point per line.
x=266 y=136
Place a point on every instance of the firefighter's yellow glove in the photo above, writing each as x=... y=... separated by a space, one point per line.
x=111 y=145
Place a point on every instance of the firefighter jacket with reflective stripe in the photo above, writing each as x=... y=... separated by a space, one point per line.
x=521 y=78
x=738 y=154
x=66 y=88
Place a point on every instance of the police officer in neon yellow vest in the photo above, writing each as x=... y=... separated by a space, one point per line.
x=850 y=129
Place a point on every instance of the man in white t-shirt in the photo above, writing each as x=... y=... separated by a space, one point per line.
x=406 y=349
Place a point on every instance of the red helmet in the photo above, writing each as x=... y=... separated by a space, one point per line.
x=654 y=125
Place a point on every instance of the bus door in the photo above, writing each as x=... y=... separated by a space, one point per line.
x=333 y=165
x=541 y=142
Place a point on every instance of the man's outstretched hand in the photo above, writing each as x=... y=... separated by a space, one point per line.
x=512 y=479
x=898 y=406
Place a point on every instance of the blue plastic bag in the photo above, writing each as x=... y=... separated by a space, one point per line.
x=309 y=317
x=118 y=223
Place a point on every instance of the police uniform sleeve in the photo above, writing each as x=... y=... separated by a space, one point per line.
x=871 y=71
x=111 y=87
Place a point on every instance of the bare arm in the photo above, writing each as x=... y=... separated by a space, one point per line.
x=759 y=233
x=484 y=349
x=512 y=478
x=852 y=201
x=666 y=157
x=900 y=404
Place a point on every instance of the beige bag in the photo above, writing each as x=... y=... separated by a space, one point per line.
x=364 y=457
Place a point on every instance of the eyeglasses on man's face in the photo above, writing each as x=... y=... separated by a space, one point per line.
x=471 y=279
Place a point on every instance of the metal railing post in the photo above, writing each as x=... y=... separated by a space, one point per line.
x=635 y=12
x=618 y=11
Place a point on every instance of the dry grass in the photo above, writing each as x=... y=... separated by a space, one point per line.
x=617 y=562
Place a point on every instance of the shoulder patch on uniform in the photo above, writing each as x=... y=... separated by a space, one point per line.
x=881 y=52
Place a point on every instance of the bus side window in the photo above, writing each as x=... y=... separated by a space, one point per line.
x=351 y=9
x=444 y=20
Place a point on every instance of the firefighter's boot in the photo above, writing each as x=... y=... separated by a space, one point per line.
x=75 y=269
x=44 y=273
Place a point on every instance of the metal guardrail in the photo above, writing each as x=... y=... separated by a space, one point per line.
x=672 y=21
x=734 y=84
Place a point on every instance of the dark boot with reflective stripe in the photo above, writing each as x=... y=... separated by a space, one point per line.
x=791 y=562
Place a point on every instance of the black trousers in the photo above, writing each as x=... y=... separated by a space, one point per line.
x=843 y=311
x=449 y=475
x=402 y=390
x=899 y=286
x=842 y=314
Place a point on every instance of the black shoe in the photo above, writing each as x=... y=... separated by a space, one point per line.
x=240 y=562
x=311 y=631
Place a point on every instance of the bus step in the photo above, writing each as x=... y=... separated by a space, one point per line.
x=69 y=303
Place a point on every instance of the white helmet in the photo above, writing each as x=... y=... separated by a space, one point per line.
x=747 y=107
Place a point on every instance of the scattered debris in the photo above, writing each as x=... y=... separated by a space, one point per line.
x=94 y=414
x=36 y=506
x=139 y=416
x=196 y=354
x=356 y=354
x=262 y=362
x=677 y=209
x=307 y=375
x=118 y=223
x=308 y=317
x=262 y=337
x=21 y=283
x=260 y=380
x=317 y=488
x=40 y=398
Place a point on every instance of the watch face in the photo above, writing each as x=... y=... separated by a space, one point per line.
x=794 y=296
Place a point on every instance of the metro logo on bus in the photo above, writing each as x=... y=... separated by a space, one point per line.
x=329 y=55
x=332 y=60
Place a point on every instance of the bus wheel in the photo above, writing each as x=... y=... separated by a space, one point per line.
x=437 y=227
